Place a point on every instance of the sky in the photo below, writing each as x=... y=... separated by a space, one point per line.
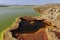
x=27 y=2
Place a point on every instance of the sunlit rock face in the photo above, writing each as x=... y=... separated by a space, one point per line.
x=50 y=12
x=53 y=33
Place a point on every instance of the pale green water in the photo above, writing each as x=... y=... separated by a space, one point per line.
x=8 y=15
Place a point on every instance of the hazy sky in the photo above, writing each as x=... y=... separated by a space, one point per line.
x=28 y=2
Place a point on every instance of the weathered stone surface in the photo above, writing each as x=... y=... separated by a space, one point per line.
x=50 y=12
x=36 y=30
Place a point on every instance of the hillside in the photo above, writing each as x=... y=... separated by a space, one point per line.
x=44 y=7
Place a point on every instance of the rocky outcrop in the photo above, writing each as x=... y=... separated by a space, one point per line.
x=44 y=7
x=50 y=12
x=27 y=28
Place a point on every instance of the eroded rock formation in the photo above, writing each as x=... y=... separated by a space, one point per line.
x=46 y=27
x=27 y=28
x=50 y=12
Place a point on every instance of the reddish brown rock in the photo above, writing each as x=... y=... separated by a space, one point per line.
x=40 y=35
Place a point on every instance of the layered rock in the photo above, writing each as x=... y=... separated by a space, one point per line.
x=50 y=12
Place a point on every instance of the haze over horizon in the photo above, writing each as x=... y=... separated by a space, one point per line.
x=27 y=2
